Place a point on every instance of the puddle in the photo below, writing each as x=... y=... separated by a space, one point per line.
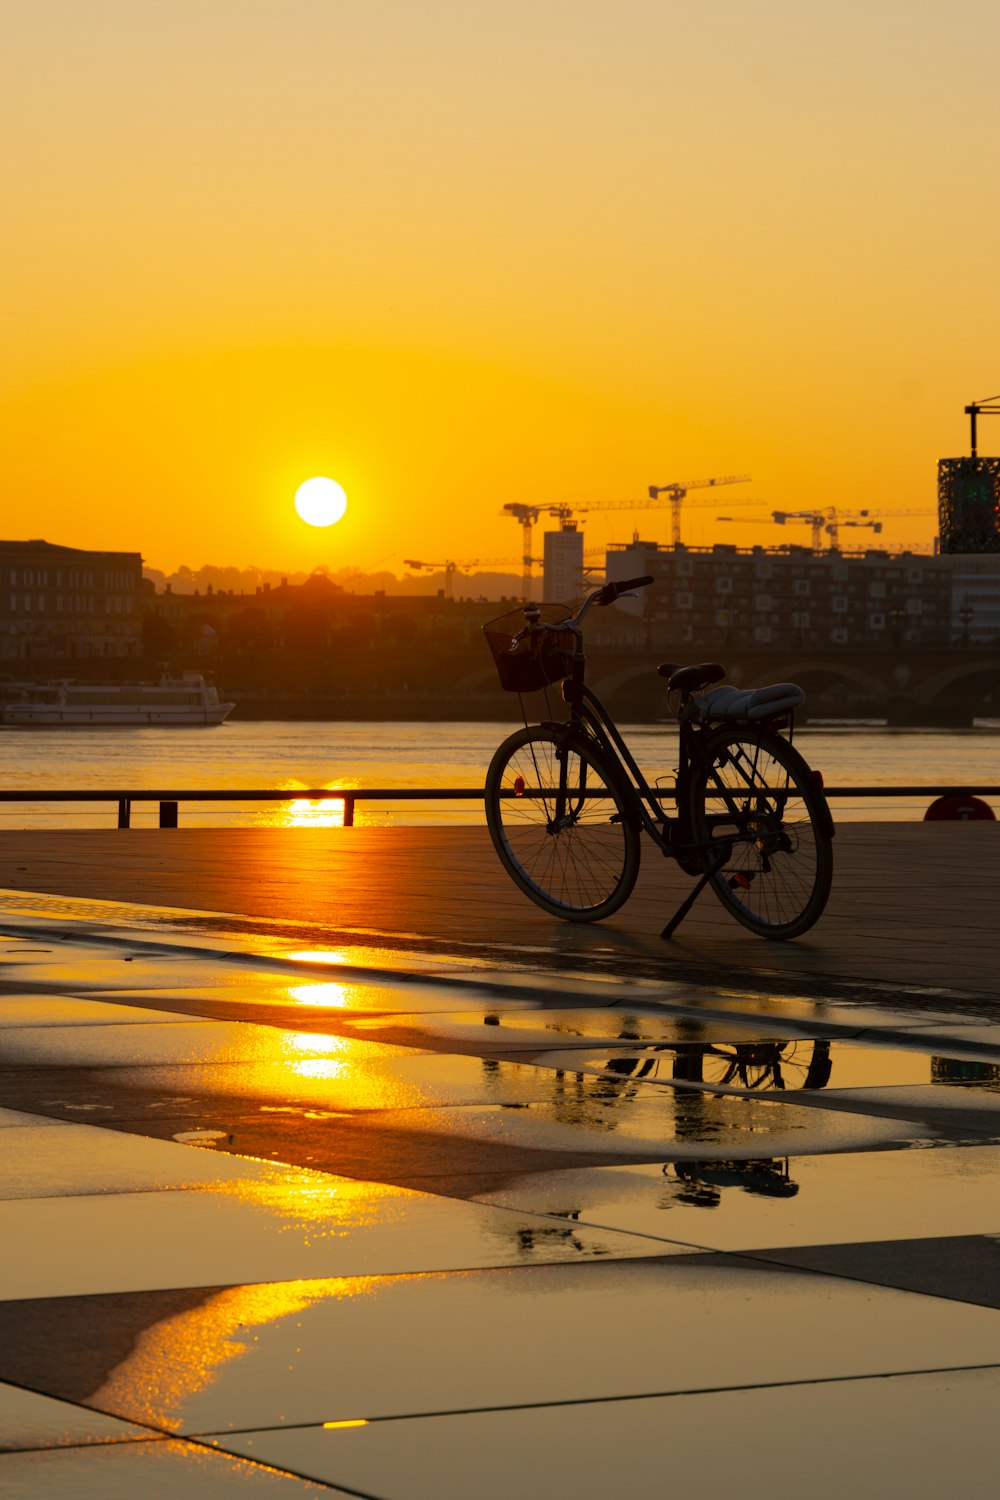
x=779 y=1066
x=727 y=1203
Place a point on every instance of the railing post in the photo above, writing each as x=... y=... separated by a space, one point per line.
x=168 y=814
x=348 y=812
x=124 y=812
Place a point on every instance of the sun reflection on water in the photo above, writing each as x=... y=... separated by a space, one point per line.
x=320 y=956
x=181 y=1356
x=334 y=995
x=301 y=813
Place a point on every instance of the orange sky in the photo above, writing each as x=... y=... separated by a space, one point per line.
x=458 y=253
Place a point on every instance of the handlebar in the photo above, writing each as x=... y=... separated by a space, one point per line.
x=612 y=591
x=606 y=594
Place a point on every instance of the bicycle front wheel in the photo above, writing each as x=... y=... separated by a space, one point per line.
x=754 y=804
x=560 y=824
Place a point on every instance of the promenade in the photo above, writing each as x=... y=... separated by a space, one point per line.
x=334 y=1167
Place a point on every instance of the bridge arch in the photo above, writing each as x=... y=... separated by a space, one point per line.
x=959 y=690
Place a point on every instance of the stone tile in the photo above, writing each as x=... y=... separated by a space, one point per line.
x=168 y=1044
x=29 y=1420
x=161 y=1470
x=729 y=1204
x=980 y=1097
x=328 y=1351
x=283 y=1224
x=21 y=1119
x=965 y=1268
x=34 y=1010
x=918 y=1435
x=73 y=1160
x=293 y=996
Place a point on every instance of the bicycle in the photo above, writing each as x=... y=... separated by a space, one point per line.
x=566 y=802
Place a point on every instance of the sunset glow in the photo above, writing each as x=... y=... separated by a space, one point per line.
x=464 y=255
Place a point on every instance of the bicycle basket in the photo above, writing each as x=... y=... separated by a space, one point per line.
x=541 y=657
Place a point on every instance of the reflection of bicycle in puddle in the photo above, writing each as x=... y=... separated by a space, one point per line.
x=737 y=1065
x=700 y=1184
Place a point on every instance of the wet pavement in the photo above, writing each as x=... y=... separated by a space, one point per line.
x=295 y=1219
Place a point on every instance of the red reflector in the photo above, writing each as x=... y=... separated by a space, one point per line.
x=518 y=786
x=816 y=780
x=743 y=881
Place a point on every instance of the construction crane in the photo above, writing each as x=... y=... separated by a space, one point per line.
x=989 y=407
x=450 y=568
x=676 y=491
x=828 y=521
x=526 y=517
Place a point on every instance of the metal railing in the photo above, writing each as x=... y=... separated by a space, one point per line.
x=170 y=799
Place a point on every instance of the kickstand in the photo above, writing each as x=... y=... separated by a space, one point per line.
x=685 y=906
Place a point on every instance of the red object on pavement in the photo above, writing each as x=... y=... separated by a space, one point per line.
x=960 y=809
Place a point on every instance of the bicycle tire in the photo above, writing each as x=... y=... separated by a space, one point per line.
x=778 y=868
x=579 y=859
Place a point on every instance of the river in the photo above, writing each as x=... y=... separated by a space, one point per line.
x=292 y=756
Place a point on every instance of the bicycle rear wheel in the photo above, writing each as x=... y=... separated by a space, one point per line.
x=753 y=794
x=560 y=824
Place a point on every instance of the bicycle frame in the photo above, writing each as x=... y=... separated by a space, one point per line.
x=588 y=715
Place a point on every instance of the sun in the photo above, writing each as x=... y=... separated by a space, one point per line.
x=320 y=502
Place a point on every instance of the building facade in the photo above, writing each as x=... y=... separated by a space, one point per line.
x=763 y=596
x=65 y=603
x=562 y=563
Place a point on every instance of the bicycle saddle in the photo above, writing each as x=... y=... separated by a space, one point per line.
x=690 y=679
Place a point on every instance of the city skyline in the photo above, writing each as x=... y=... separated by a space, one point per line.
x=455 y=257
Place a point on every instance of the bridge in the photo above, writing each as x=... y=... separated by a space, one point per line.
x=943 y=687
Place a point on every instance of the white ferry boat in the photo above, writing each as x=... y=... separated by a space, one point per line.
x=183 y=700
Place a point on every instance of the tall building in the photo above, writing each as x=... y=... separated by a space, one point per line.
x=969 y=504
x=65 y=603
x=562 y=563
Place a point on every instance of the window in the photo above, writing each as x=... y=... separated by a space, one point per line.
x=683 y=601
x=840 y=605
x=839 y=636
x=876 y=622
x=801 y=586
x=763 y=603
x=800 y=619
x=914 y=607
x=723 y=585
x=877 y=590
x=762 y=633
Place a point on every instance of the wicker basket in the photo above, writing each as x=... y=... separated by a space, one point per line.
x=541 y=657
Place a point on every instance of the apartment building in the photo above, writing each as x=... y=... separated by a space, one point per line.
x=791 y=595
x=67 y=603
